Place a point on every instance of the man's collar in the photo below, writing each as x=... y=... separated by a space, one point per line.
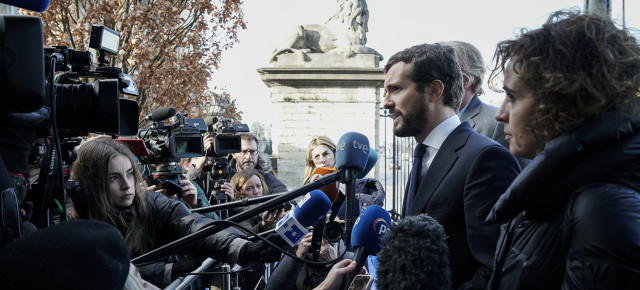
x=441 y=132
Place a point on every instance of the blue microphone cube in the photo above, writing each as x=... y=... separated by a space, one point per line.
x=290 y=229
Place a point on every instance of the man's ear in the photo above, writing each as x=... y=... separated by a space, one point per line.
x=467 y=82
x=436 y=89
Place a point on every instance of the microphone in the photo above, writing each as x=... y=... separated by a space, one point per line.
x=331 y=191
x=352 y=153
x=311 y=208
x=161 y=114
x=371 y=162
x=367 y=233
x=209 y=121
x=33 y=5
x=401 y=266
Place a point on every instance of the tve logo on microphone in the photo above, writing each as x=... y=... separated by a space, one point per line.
x=361 y=146
x=356 y=145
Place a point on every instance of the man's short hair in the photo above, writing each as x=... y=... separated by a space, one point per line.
x=433 y=62
x=248 y=137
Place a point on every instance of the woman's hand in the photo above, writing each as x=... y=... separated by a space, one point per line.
x=189 y=191
x=328 y=251
x=304 y=245
x=270 y=218
x=228 y=190
x=338 y=273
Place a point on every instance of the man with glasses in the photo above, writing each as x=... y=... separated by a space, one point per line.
x=250 y=157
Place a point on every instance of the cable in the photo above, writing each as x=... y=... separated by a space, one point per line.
x=216 y=222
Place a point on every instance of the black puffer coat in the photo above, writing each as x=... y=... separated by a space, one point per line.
x=574 y=213
x=173 y=220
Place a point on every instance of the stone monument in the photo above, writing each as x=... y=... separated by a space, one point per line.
x=324 y=81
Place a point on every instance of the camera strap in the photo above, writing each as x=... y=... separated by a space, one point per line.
x=10 y=217
x=49 y=183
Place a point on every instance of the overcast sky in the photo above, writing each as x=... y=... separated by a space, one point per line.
x=393 y=26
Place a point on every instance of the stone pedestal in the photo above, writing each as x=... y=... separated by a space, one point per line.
x=329 y=95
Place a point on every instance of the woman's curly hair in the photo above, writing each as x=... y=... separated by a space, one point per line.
x=578 y=66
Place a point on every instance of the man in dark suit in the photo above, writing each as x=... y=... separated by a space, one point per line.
x=481 y=116
x=459 y=174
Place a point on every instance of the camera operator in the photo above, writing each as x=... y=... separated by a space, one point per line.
x=111 y=182
x=18 y=133
x=191 y=194
x=195 y=169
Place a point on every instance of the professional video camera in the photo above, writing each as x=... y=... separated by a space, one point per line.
x=83 y=107
x=168 y=143
x=225 y=136
x=33 y=98
x=225 y=141
x=84 y=98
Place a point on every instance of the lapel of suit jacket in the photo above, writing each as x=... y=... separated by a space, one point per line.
x=440 y=166
x=472 y=111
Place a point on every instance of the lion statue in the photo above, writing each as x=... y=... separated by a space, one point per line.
x=344 y=33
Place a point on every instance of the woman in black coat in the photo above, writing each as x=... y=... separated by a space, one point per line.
x=573 y=214
x=113 y=193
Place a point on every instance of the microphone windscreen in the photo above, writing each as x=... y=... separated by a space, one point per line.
x=313 y=206
x=33 y=5
x=162 y=113
x=352 y=151
x=370 y=227
x=427 y=268
x=371 y=162
x=210 y=120
x=330 y=190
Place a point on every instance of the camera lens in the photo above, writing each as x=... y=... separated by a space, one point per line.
x=88 y=107
x=332 y=232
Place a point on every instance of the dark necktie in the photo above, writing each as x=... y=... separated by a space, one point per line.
x=416 y=172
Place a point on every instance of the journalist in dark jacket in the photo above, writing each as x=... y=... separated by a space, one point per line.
x=113 y=193
x=573 y=214
x=264 y=166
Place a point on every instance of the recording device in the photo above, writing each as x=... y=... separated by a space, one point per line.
x=21 y=91
x=331 y=191
x=332 y=229
x=368 y=230
x=172 y=247
x=372 y=159
x=167 y=143
x=33 y=5
x=352 y=154
x=84 y=98
x=94 y=106
x=225 y=141
x=225 y=136
x=179 y=138
x=161 y=114
x=361 y=282
x=311 y=208
x=400 y=266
